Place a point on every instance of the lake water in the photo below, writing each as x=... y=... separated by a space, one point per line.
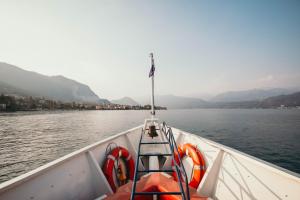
x=29 y=140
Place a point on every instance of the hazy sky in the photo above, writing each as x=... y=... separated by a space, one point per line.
x=200 y=47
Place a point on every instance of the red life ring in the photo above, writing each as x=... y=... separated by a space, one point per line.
x=108 y=167
x=198 y=160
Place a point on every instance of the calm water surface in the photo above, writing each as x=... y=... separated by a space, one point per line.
x=29 y=140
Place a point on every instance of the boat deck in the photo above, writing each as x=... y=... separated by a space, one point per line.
x=230 y=174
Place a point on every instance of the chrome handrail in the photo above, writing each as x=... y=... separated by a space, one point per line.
x=167 y=130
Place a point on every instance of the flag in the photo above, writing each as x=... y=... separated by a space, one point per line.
x=151 y=73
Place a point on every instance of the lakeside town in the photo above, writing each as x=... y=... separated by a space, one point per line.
x=21 y=103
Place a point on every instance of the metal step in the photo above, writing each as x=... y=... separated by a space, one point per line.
x=154 y=142
x=158 y=193
x=155 y=154
x=155 y=170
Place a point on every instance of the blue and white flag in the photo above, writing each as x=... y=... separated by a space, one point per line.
x=151 y=73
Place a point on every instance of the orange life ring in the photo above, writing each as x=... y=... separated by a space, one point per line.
x=198 y=160
x=108 y=167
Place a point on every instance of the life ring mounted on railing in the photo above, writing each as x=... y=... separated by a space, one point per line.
x=118 y=167
x=199 y=166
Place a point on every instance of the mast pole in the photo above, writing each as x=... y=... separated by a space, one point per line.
x=152 y=88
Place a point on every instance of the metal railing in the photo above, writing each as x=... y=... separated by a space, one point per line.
x=179 y=167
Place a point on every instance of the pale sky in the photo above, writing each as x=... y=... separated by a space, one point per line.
x=200 y=47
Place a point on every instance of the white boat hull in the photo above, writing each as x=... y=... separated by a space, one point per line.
x=230 y=174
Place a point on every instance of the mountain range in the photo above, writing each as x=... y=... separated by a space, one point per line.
x=177 y=102
x=251 y=95
x=125 y=101
x=16 y=81
x=173 y=102
x=290 y=100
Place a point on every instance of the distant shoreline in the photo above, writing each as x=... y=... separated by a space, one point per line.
x=70 y=111
x=16 y=103
x=74 y=110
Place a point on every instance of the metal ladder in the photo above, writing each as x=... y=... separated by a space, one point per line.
x=179 y=168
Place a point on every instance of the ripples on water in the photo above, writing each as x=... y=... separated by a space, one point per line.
x=29 y=140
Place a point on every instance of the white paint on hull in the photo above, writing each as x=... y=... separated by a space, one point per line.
x=230 y=174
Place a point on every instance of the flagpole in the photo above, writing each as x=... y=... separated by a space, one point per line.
x=152 y=128
x=152 y=93
x=152 y=102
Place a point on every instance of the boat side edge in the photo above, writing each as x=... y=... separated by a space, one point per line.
x=44 y=168
x=263 y=163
